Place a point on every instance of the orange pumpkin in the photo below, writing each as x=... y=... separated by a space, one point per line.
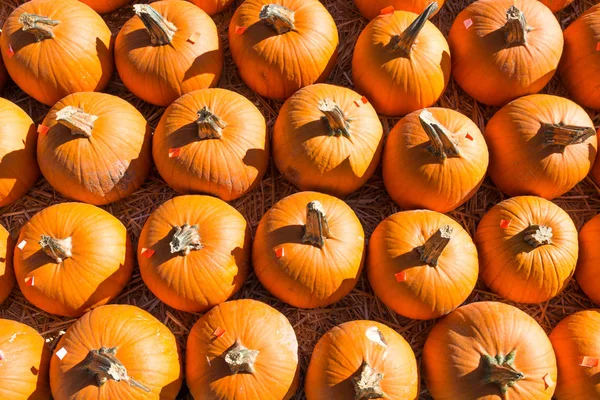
x=96 y=148
x=52 y=48
x=3 y=74
x=372 y=8
x=7 y=274
x=242 y=349
x=540 y=145
x=401 y=62
x=588 y=263
x=212 y=7
x=167 y=49
x=105 y=6
x=309 y=249
x=281 y=46
x=489 y=350
x=212 y=141
x=422 y=264
x=116 y=352
x=556 y=5
x=504 y=49
x=326 y=139
x=362 y=360
x=439 y=154
x=72 y=257
x=527 y=249
x=24 y=362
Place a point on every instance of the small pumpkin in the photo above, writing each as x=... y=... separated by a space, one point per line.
x=105 y=6
x=116 y=352
x=439 y=154
x=167 y=49
x=7 y=274
x=212 y=7
x=504 y=49
x=212 y=141
x=362 y=360
x=242 y=349
x=327 y=140
x=586 y=272
x=556 y=5
x=24 y=362
x=72 y=257
x=527 y=249
x=95 y=148
x=373 y=8
x=309 y=249
x=52 y=48
x=540 y=145
x=401 y=62
x=281 y=46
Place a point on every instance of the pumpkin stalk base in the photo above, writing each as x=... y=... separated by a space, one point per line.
x=210 y=126
x=104 y=365
x=538 y=235
x=403 y=43
x=57 y=249
x=515 y=29
x=80 y=122
x=441 y=142
x=278 y=17
x=316 y=230
x=39 y=25
x=185 y=239
x=367 y=383
x=240 y=359
x=564 y=135
x=434 y=246
x=336 y=120
x=161 y=31
x=500 y=371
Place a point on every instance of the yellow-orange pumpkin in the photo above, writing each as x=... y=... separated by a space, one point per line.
x=105 y=6
x=587 y=272
x=372 y=8
x=7 y=274
x=212 y=7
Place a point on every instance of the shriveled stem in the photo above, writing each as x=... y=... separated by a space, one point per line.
x=278 y=17
x=57 y=249
x=434 y=246
x=185 y=239
x=335 y=118
x=538 y=235
x=240 y=359
x=441 y=141
x=104 y=365
x=39 y=25
x=316 y=230
x=500 y=371
x=404 y=42
x=564 y=135
x=515 y=29
x=210 y=126
x=80 y=122
x=161 y=31
x=367 y=383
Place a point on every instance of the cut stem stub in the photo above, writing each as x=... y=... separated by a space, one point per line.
x=500 y=371
x=161 y=31
x=278 y=17
x=434 y=246
x=538 y=235
x=80 y=122
x=240 y=359
x=185 y=239
x=564 y=135
x=104 y=365
x=367 y=383
x=334 y=117
x=515 y=29
x=316 y=230
x=210 y=126
x=57 y=249
x=39 y=25
x=404 y=42
x=441 y=142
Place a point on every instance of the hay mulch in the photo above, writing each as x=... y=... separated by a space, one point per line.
x=371 y=203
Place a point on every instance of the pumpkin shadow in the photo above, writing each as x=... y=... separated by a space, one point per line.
x=495 y=41
x=539 y=140
x=137 y=39
x=409 y=260
x=105 y=53
x=287 y=234
x=202 y=65
x=10 y=173
x=256 y=158
x=257 y=32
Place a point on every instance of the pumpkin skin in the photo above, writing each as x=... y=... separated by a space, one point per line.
x=144 y=346
x=212 y=7
x=276 y=65
x=161 y=73
x=439 y=177
x=460 y=350
x=3 y=75
x=365 y=348
x=100 y=264
x=105 y=6
x=495 y=70
x=589 y=256
x=228 y=166
x=521 y=268
x=334 y=156
x=556 y=5
x=7 y=274
x=308 y=269
x=256 y=327
x=25 y=362
x=529 y=155
x=372 y=8
x=79 y=58
x=106 y=167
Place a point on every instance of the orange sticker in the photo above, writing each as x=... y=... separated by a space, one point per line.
x=598 y=46
x=147 y=252
x=30 y=281
x=42 y=129
x=174 y=152
x=359 y=103
x=10 y=52
x=219 y=332
x=548 y=381
x=505 y=223
x=400 y=276
x=589 y=362
x=194 y=37
x=279 y=252
x=387 y=11
x=240 y=29
x=468 y=23
x=469 y=137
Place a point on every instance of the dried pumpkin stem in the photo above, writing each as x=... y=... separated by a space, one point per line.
x=210 y=126
x=185 y=239
x=441 y=142
x=104 y=365
x=404 y=42
x=316 y=229
x=335 y=118
x=278 y=17
x=161 y=31
x=500 y=371
x=240 y=359
x=565 y=135
x=515 y=29
x=367 y=383
x=57 y=249
x=39 y=25
x=538 y=235
x=80 y=122
x=434 y=246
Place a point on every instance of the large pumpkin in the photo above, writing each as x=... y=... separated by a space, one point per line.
x=212 y=7
x=439 y=154
x=326 y=139
x=373 y=8
x=72 y=257
x=7 y=274
x=24 y=362
x=309 y=249
x=362 y=360
x=588 y=265
x=540 y=145
x=116 y=352
x=105 y=6
x=213 y=141
x=527 y=249
x=95 y=148
x=167 y=49
x=280 y=46
x=556 y=5
x=401 y=62
x=242 y=349
x=504 y=49
x=52 y=48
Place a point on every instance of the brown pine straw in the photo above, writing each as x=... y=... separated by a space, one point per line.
x=371 y=203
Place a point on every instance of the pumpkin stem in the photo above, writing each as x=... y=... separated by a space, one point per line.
x=441 y=143
x=538 y=235
x=515 y=29
x=185 y=239
x=434 y=246
x=316 y=229
x=161 y=31
x=367 y=383
x=210 y=126
x=335 y=118
x=564 y=135
x=104 y=365
x=80 y=122
x=405 y=41
x=57 y=249
x=39 y=25
x=278 y=17
x=499 y=370
x=240 y=358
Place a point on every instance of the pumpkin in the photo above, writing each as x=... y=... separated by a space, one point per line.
x=504 y=49
x=489 y=350
x=327 y=140
x=19 y=168
x=362 y=360
x=24 y=362
x=373 y=8
x=52 y=48
x=422 y=264
x=281 y=46
x=72 y=257
x=167 y=49
x=309 y=249
x=105 y=6
x=3 y=74
x=116 y=352
x=577 y=348
x=7 y=274
x=556 y=5
x=527 y=249
x=95 y=148
x=212 y=7
x=242 y=349
x=540 y=145
x=586 y=272
x=401 y=62
x=439 y=154
x=212 y=141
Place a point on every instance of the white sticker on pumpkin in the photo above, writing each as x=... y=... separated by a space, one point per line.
x=374 y=335
x=21 y=245
x=61 y=353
